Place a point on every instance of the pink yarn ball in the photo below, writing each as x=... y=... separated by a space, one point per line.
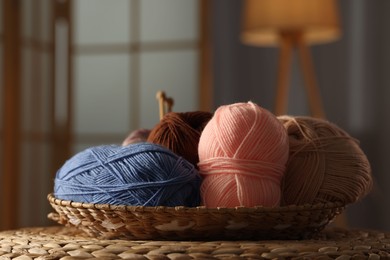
x=243 y=151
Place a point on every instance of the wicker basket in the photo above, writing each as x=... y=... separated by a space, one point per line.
x=198 y=223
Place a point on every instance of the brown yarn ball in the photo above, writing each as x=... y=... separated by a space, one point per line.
x=180 y=132
x=325 y=165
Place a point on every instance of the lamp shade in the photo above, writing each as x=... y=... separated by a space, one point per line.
x=263 y=21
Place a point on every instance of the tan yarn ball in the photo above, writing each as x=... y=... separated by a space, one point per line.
x=325 y=164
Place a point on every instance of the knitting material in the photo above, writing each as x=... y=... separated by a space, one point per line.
x=137 y=174
x=136 y=136
x=326 y=164
x=242 y=155
x=180 y=132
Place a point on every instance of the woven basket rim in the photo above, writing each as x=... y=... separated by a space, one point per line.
x=127 y=208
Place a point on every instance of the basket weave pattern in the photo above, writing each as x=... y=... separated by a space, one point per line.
x=198 y=223
x=70 y=243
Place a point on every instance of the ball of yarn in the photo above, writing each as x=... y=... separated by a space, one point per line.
x=141 y=174
x=325 y=165
x=136 y=136
x=242 y=155
x=180 y=132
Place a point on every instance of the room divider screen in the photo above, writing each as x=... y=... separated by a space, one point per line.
x=79 y=73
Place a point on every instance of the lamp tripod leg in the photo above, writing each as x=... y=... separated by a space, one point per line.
x=284 y=70
x=312 y=88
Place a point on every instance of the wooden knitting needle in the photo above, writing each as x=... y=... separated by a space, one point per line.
x=170 y=103
x=160 y=96
x=165 y=103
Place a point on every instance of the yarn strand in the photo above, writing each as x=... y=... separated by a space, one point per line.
x=242 y=155
x=325 y=164
x=141 y=174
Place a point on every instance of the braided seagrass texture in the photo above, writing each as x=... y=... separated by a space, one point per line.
x=70 y=244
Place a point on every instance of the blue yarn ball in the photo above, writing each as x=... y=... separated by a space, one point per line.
x=140 y=174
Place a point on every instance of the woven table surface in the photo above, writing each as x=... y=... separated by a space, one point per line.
x=68 y=243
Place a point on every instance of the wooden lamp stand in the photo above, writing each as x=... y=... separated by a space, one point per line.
x=288 y=42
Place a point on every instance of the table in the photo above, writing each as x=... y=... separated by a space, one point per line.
x=59 y=242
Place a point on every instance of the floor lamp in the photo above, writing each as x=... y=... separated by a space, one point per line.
x=292 y=24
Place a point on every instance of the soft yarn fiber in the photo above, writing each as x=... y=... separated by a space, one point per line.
x=140 y=174
x=180 y=132
x=325 y=164
x=242 y=155
x=136 y=136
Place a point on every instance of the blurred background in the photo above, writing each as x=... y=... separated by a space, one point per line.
x=79 y=73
